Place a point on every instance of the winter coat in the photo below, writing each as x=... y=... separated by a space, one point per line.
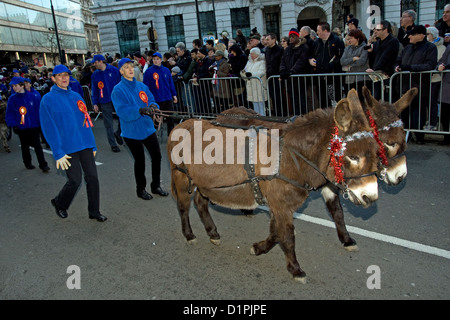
x=257 y=67
x=445 y=60
x=360 y=65
x=273 y=60
x=384 y=55
x=421 y=56
x=295 y=59
x=222 y=88
x=439 y=42
x=443 y=28
x=328 y=54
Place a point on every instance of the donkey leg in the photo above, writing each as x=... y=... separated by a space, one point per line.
x=202 y=207
x=180 y=191
x=265 y=245
x=335 y=208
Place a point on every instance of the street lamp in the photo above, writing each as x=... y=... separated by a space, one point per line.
x=56 y=33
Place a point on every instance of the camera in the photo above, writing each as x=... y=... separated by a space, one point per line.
x=369 y=46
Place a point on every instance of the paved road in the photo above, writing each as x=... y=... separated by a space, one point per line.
x=140 y=253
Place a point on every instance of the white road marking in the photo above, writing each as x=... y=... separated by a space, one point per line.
x=378 y=236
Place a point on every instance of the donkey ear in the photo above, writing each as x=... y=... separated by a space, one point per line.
x=368 y=98
x=343 y=115
x=404 y=102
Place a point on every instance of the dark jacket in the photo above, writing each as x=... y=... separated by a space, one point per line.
x=237 y=62
x=184 y=62
x=202 y=68
x=295 y=59
x=443 y=29
x=421 y=56
x=328 y=54
x=273 y=60
x=384 y=54
x=403 y=36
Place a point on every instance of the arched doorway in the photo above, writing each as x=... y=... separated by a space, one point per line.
x=311 y=16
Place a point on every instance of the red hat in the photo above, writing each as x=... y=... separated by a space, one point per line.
x=294 y=31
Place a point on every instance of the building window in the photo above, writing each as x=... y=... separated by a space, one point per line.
x=127 y=32
x=207 y=23
x=272 y=24
x=440 y=4
x=409 y=5
x=175 y=30
x=240 y=19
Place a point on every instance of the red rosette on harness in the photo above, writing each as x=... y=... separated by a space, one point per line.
x=87 y=118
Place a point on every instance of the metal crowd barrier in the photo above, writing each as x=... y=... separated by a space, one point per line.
x=88 y=99
x=426 y=107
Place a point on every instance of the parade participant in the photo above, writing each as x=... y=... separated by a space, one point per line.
x=103 y=81
x=22 y=114
x=160 y=82
x=134 y=101
x=68 y=129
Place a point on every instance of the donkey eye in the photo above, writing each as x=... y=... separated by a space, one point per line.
x=354 y=158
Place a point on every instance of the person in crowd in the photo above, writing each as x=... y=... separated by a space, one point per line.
x=211 y=53
x=134 y=104
x=209 y=44
x=273 y=56
x=22 y=114
x=419 y=55
x=68 y=129
x=433 y=37
x=406 y=23
x=443 y=25
x=3 y=127
x=256 y=90
x=160 y=82
x=224 y=39
x=238 y=60
x=284 y=42
x=137 y=56
x=328 y=50
x=221 y=88
x=184 y=62
x=103 y=81
x=255 y=42
x=382 y=55
x=352 y=24
x=241 y=40
x=138 y=74
x=444 y=64
x=202 y=89
x=355 y=59
x=295 y=61
x=196 y=44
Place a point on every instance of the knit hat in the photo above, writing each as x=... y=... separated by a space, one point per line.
x=176 y=69
x=123 y=61
x=203 y=51
x=60 y=68
x=294 y=31
x=219 y=53
x=98 y=57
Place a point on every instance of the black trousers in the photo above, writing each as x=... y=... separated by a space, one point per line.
x=31 y=138
x=82 y=161
x=137 y=150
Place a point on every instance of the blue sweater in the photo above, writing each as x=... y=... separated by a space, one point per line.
x=165 y=90
x=127 y=102
x=75 y=85
x=110 y=77
x=13 y=116
x=63 y=124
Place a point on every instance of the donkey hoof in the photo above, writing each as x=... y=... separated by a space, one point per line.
x=215 y=242
x=352 y=248
x=301 y=279
x=192 y=241
x=252 y=251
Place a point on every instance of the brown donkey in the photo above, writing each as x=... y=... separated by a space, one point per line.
x=302 y=164
x=382 y=116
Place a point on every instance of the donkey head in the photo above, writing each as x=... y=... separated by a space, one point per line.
x=354 y=151
x=389 y=131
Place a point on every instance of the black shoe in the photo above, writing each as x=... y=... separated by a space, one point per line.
x=160 y=192
x=115 y=149
x=30 y=167
x=144 y=195
x=59 y=212
x=45 y=169
x=99 y=218
x=119 y=139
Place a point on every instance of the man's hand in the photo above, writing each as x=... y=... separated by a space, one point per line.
x=96 y=108
x=175 y=99
x=95 y=152
x=63 y=162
